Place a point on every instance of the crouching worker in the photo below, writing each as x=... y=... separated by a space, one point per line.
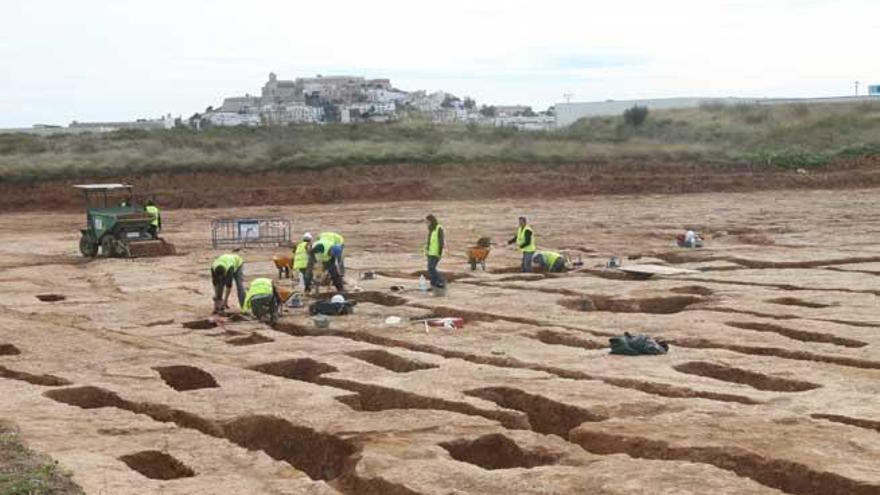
x=323 y=252
x=690 y=239
x=226 y=269
x=262 y=300
x=338 y=249
x=549 y=261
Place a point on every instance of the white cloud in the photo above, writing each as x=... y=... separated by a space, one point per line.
x=97 y=60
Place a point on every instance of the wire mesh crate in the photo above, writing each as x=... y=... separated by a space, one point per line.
x=250 y=232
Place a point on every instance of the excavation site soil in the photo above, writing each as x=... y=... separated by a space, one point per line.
x=117 y=369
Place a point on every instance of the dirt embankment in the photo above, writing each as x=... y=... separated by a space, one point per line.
x=442 y=182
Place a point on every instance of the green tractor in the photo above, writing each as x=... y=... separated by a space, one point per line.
x=117 y=226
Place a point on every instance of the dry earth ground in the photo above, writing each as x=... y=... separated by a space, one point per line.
x=771 y=385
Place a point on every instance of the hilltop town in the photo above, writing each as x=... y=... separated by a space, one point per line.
x=347 y=99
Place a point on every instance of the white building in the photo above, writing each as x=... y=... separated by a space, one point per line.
x=382 y=95
x=231 y=119
x=536 y=123
x=291 y=113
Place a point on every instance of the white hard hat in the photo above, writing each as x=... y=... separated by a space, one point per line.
x=307 y=236
x=337 y=299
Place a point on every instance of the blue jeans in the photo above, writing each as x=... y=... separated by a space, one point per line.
x=527 y=261
x=436 y=278
x=337 y=252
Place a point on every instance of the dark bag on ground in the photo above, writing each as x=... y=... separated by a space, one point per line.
x=637 y=345
x=331 y=308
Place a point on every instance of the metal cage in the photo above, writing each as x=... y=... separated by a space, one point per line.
x=254 y=232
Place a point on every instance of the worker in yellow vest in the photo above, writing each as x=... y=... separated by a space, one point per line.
x=156 y=218
x=434 y=250
x=300 y=255
x=549 y=261
x=225 y=269
x=525 y=242
x=261 y=297
x=322 y=251
x=338 y=249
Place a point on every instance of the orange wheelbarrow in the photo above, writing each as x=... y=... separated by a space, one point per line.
x=477 y=255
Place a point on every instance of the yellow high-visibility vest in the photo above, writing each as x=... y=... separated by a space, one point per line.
x=521 y=237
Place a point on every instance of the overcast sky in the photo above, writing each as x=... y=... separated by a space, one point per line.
x=63 y=60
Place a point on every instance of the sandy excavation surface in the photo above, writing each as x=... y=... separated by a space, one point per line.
x=772 y=384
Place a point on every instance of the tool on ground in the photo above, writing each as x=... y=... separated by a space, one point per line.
x=368 y=275
x=117 y=226
x=447 y=323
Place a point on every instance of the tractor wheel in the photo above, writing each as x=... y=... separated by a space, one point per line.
x=107 y=247
x=87 y=246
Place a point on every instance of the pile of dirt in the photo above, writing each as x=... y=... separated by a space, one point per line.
x=451 y=181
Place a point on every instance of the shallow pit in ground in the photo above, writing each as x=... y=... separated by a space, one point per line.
x=376 y=297
x=753 y=379
x=45 y=380
x=390 y=361
x=794 y=301
x=182 y=378
x=51 y=297
x=496 y=451
x=304 y=369
x=9 y=350
x=545 y=415
x=696 y=290
x=157 y=465
x=252 y=339
x=200 y=324
x=322 y=456
x=652 y=305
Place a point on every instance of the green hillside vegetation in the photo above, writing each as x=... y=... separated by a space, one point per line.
x=788 y=136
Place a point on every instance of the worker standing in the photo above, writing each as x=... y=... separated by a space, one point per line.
x=549 y=261
x=225 y=269
x=525 y=242
x=155 y=218
x=301 y=255
x=322 y=252
x=434 y=250
x=338 y=249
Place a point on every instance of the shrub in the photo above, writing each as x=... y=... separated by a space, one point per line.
x=635 y=116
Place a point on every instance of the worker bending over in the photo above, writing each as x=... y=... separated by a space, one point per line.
x=434 y=250
x=225 y=269
x=525 y=242
x=338 y=249
x=549 y=261
x=301 y=255
x=155 y=218
x=322 y=252
x=262 y=297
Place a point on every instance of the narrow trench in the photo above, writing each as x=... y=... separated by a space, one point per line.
x=777 y=352
x=9 y=350
x=379 y=398
x=788 y=476
x=376 y=297
x=389 y=361
x=253 y=339
x=200 y=324
x=545 y=415
x=157 y=465
x=551 y=337
x=51 y=297
x=755 y=380
x=794 y=301
x=183 y=378
x=44 y=380
x=861 y=423
x=320 y=455
x=496 y=451
x=786 y=287
x=652 y=305
x=801 y=335
x=859 y=324
x=652 y=388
